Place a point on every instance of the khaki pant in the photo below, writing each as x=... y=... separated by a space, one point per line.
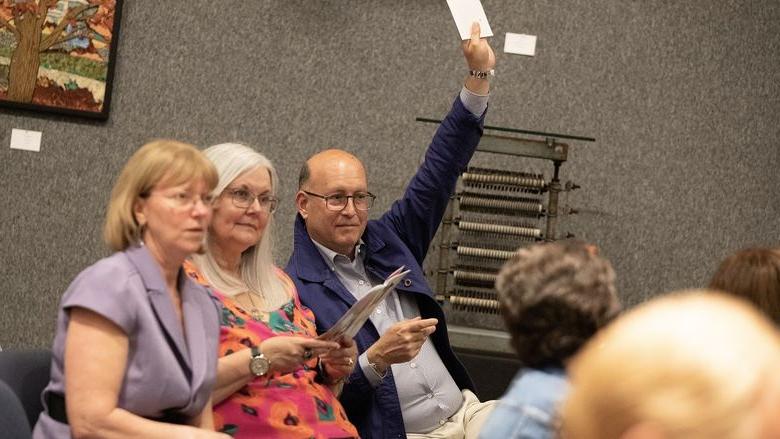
x=465 y=423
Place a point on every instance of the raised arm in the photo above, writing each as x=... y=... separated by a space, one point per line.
x=416 y=216
x=479 y=58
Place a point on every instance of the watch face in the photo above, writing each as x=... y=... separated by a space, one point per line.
x=259 y=366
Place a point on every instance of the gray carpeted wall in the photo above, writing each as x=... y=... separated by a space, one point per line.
x=682 y=96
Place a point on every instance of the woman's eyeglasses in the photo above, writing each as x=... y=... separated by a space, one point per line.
x=243 y=198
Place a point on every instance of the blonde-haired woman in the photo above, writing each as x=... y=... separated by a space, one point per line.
x=692 y=365
x=275 y=379
x=135 y=349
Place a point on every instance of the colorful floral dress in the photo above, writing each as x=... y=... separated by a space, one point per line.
x=291 y=405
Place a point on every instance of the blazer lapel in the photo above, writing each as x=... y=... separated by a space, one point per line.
x=311 y=267
x=193 y=310
x=333 y=283
x=168 y=321
x=161 y=304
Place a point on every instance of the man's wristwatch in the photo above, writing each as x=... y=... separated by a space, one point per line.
x=258 y=364
x=479 y=74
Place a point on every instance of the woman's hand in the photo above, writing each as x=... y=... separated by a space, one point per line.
x=288 y=353
x=340 y=362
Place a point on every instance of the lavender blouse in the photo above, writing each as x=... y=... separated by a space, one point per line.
x=128 y=289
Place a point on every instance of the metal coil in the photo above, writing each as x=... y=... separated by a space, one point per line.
x=483 y=252
x=474 y=301
x=503 y=189
x=530 y=232
x=503 y=179
x=495 y=203
x=475 y=276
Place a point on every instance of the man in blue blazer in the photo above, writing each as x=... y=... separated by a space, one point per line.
x=408 y=382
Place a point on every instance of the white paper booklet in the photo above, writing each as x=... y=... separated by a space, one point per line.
x=465 y=12
x=350 y=323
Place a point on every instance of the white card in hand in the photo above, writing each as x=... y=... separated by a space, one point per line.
x=465 y=12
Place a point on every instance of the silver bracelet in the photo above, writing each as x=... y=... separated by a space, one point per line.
x=479 y=74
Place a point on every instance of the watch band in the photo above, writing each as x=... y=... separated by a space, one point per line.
x=259 y=365
x=479 y=74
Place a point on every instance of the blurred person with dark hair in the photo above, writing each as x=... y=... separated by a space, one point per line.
x=553 y=298
x=753 y=274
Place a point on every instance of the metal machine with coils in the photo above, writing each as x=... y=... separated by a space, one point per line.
x=492 y=213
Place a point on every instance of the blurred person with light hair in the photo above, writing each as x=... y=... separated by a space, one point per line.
x=553 y=298
x=692 y=365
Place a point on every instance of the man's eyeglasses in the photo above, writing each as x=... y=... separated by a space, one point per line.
x=337 y=202
x=242 y=198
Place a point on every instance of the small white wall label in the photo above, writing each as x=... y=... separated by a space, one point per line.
x=26 y=140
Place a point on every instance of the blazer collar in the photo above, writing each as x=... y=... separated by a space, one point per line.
x=309 y=261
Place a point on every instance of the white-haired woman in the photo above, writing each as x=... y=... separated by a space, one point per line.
x=274 y=378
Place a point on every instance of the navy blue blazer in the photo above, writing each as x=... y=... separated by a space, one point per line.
x=400 y=237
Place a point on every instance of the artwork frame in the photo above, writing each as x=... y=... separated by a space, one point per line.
x=59 y=56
